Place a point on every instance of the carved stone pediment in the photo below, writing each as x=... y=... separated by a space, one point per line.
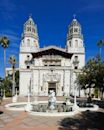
x=51 y=77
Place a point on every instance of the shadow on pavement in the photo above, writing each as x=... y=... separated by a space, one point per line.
x=100 y=103
x=85 y=121
x=1 y=112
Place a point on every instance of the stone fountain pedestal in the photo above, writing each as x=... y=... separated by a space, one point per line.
x=28 y=107
x=75 y=107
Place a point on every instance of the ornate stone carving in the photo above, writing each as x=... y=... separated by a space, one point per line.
x=54 y=77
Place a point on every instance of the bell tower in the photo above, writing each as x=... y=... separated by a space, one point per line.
x=30 y=40
x=74 y=38
x=75 y=44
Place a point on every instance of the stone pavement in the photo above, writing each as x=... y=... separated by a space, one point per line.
x=15 y=120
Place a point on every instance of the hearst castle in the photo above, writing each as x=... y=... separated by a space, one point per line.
x=51 y=67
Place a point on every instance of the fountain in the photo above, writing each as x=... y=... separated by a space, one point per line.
x=52 y=107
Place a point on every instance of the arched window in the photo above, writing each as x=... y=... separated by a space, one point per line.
x=76 y=58
x=27 y=28
x=28 y=42
x=30 y=29
x=76 y=43
x=71 y=31
x=76 y=62
x=75 y=29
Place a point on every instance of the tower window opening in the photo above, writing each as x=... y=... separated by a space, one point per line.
x=76 y=67
x=75 y=29
x=41 y=88
x=27 y=28
x=30 y=29
x=28 y=57
x=71 y=30
x=62 y=88
x=28 y=67
x=28 y=42
x=76 y=57
x=76 y=43
x=69 y=43
x=76 y=62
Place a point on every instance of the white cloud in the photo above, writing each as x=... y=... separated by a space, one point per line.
x=7 y=5
x=92 y=7
x=7 y=9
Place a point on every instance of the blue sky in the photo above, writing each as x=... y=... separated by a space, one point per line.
x=52 y=18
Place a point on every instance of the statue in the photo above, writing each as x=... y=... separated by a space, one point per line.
x=52 y=100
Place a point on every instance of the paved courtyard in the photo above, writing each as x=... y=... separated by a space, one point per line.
x=13 y=120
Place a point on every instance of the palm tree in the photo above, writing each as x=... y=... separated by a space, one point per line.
x=12 y=61
x=100 y=43
x=4 y=41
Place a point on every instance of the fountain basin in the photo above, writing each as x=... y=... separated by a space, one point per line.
x=94 y=108
x=16 y=106
x=54 y=114
x=21 y=106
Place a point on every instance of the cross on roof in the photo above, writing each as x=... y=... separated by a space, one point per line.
x=74 y=16
x=30 y=15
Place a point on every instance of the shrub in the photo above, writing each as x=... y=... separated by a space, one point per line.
x=96 y=92
x=8 y=94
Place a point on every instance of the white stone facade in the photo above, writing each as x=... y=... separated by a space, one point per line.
x=50 y=68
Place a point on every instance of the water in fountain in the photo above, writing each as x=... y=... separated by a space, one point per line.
x=52 y=107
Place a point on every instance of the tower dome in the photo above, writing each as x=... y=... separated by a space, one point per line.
x=30 y=39
x=74 y=30
x=30 y=29
x=75 y=44
x=74 y=37
x=75 y=22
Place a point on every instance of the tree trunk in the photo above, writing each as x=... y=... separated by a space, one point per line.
x=4 y=63
x=100 y=53
x=4 y=70
x=89 y=91
x=79 y=92
x=13 y=87
x=101 y=94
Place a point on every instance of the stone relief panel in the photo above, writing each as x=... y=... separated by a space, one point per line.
x=55 y=77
